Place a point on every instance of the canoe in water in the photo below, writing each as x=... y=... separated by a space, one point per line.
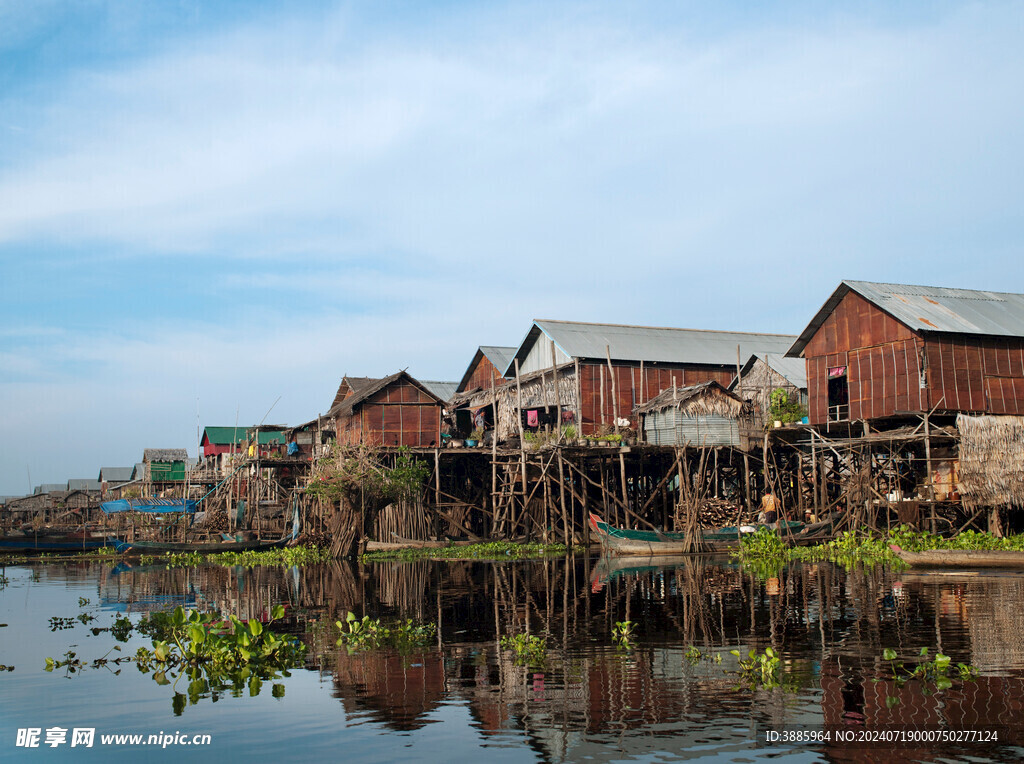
x=960 y=558
x=214 y=547
x=626 y=541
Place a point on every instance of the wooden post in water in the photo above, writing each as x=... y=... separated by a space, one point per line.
x=561 y=500
x=522 y=453
x=615 y=396
x=558 y=395
x=931 y=475
x=622 y=476
x=494 y=452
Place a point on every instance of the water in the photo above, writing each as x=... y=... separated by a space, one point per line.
x=466 y=699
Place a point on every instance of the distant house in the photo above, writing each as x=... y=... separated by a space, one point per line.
x=622 y=367
x=111 y=477
x=487 y=369
x=216 y=441
x=762 y=375
x=701 y=415
x=165 y=465
x=885 y=350
x=309 y=439
x=394 y=411
x=222 y=440
x=84 y=484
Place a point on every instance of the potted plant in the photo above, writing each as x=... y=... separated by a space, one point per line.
x=475 y=437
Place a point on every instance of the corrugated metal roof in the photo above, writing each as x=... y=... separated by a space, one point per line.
x=499 y=355
x=443 y=390
x=84 y=484
x=224 y=436
x=115 y=474
x=651 y=343
x=51 y=487
x=930 y=309
x=794 y=370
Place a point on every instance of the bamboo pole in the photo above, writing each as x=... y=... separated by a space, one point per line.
x=522 y=452
x=561 y=500
x=558 y=394
x=622 y=477
x=494 y=451
x=615 y=395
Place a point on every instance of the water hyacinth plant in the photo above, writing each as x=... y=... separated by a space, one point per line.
x=528 y=649
x=371 y=634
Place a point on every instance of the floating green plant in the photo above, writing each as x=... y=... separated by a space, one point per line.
x=490 y=550
x=935 y=670
x=370 y=634
x=763 y=671
x=528 y=649
x=622 y=633
x=212 y=652
x=285 y=557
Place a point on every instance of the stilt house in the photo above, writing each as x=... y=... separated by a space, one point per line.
x=702 y=415
x=884 y=350
x=394 y=411
x=762 y=375
x=616 y=368
x=487 y=369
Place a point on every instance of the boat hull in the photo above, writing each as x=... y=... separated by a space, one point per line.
x=967 y=558
x=51 y=544
x=215 y=547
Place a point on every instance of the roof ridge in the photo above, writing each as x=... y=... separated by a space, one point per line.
x=666 y=328
x=851 y=282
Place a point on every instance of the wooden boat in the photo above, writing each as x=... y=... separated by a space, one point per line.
x=49 y=542
x=203 y=547
x=655 y=543
x=960 y=558
x=398 y=543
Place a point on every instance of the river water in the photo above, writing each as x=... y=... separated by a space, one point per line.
x=675 y=692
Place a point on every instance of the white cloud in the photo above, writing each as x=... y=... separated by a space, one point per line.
x=405 y=195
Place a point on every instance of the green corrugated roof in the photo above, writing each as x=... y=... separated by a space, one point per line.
x=225 y=436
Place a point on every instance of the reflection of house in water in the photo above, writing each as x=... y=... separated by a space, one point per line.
x=390 y=689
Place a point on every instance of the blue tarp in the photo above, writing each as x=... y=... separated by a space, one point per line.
x=149 y=505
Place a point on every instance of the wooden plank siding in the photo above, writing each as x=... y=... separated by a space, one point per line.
x=598 y=406
x=482 y=375
x=976 y=374
x=399 y=415
x=886 y=360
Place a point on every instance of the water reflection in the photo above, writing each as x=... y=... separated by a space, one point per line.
x=592 y=699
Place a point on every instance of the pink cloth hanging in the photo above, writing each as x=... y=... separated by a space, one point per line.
x=531 y=418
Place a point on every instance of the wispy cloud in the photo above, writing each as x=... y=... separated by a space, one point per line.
x=240 y=209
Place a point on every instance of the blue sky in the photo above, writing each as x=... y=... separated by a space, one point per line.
x=205 y=207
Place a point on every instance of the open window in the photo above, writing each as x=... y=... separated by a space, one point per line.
x=838 y=394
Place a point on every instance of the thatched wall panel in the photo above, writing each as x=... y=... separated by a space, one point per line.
x=991 y=461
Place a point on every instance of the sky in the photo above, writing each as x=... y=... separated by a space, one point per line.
x=211 y=211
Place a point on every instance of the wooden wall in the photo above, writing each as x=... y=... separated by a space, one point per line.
x=979 y=374
x=886 y=361
x=633 y=388
x=481 y=376
x=399 y=415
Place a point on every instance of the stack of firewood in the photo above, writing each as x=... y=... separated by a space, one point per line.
x=714 y=513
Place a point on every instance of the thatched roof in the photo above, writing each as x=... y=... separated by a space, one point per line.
x=164 y=455
x=705 y=398
x=991 y=461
